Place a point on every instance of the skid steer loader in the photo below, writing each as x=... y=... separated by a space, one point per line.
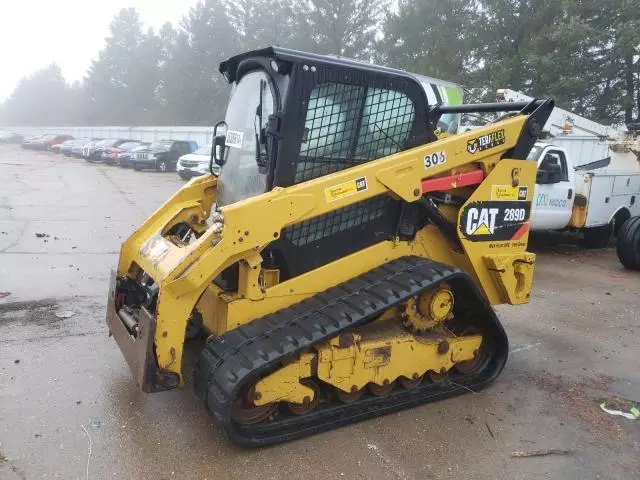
x=344 y=263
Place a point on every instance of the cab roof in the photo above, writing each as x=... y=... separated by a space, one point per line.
x=229 y=68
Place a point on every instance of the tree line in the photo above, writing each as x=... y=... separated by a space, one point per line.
x=584 y=53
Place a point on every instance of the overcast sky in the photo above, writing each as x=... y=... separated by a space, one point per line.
x=35 y=33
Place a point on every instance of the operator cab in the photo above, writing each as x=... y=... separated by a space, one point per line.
x=294 y=116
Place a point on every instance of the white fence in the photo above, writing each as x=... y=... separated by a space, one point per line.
x=202 y=135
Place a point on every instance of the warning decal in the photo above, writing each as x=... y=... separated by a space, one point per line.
x=507 y=192
x=345 y=189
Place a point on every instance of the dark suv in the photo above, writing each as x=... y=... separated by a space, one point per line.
x=162 y=155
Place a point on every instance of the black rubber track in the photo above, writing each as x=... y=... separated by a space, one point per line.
x=242 y=356
x=628 y=244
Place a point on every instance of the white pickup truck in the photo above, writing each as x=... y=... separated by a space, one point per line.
x=594 y=200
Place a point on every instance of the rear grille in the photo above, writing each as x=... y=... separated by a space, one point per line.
x=336 y=221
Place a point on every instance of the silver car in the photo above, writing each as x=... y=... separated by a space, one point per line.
x=196 y=163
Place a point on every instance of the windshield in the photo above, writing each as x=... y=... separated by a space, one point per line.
x=160 y=146
x=534 y=153
x=203 y=150
x=128 y=145
x=106 y=143
x=140 y=148
x=240 y=177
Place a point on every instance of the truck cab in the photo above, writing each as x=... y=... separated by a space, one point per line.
x=585 y=197
x=555 y=187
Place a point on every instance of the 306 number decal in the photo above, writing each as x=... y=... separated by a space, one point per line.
x=435 y=159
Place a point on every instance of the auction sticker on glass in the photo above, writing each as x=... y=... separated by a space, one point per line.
x=234 y=139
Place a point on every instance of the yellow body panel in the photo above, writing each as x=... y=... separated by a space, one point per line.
x=513 y=274
x=384 y=359
x=500 y=288
x=380 y=354
x=284 y=384
x=185 y=272
x=238 y=311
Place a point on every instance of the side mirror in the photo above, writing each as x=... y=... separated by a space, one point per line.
x=218 y=146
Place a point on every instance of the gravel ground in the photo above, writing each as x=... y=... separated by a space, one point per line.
x=69 y=408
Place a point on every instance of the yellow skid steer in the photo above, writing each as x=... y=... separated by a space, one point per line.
x=344 y=262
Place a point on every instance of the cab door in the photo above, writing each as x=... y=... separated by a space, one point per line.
x=553 y=200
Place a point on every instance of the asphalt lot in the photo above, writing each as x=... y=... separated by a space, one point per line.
x=68 y=404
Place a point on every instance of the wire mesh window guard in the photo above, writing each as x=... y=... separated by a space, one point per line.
x=347 y=125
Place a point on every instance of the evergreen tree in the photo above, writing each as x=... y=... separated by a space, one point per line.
x=264 y=23
x=584 y=53
x=615 y=58
x=111 y=79
x=40 y=99
x=343 y=27
x=433 y=37
x=533 y=46
x=194 y=90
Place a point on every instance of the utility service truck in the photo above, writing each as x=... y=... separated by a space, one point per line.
x=595 y=201
x=581 y=182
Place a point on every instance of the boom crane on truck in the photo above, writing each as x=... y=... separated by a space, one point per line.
x=587 y=141
x=587 y=177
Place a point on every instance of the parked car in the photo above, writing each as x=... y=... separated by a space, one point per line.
x=8 y=137
x=110 y=154
x=78 y=148
x=40 y=143
x=47 y=142
x=29 y=142
x=196 y=163
x=163 y=155
x=56 y=148
x=125 y=159
x=92 y=152
x=65 y=147
x=69 y=145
